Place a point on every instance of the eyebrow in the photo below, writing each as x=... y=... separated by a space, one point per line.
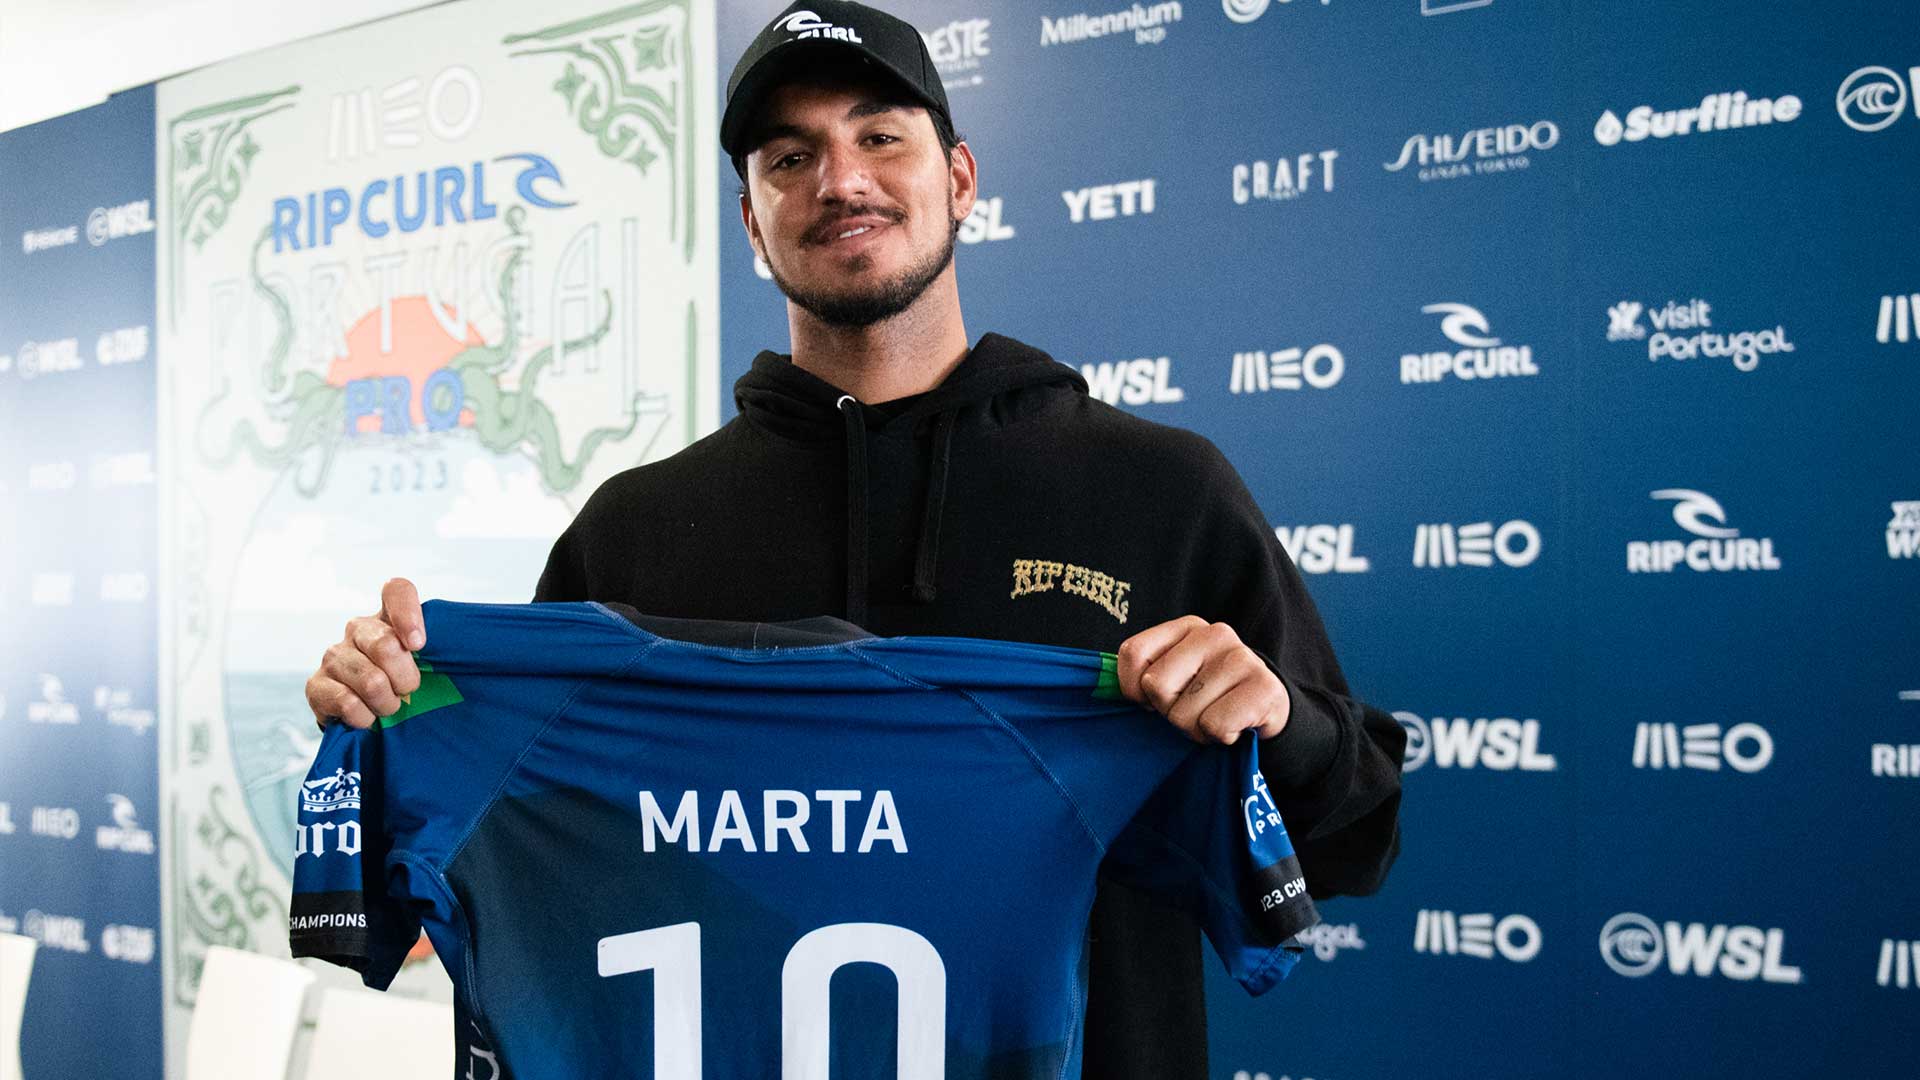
x=858 y=112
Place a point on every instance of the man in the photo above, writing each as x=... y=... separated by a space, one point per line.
x=888 y=473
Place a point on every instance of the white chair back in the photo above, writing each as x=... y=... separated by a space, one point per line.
x=16 y=969
x=374 y=1036
x=246 y=1016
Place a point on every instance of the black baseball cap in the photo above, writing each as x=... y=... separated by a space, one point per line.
x=814 y=35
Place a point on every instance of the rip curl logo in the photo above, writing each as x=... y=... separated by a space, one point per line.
x=1042 y=575
x=805 y=24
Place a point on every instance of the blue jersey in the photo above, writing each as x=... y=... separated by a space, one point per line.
x=643 y=857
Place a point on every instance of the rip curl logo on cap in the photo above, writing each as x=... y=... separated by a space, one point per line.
x=806 y=24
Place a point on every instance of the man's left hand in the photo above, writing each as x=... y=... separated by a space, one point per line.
x=1202 y=678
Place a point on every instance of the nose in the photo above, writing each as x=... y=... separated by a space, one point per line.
x=844 y=174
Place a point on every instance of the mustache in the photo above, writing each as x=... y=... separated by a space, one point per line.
x=833 y=226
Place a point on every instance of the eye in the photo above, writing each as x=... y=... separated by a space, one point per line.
x=786 y=160
x=883 y=136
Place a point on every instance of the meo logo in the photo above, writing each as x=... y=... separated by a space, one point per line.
x=1516 y=937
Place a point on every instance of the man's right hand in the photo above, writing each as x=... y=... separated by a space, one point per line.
x=364 y=674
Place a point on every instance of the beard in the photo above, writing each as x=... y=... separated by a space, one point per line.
x=862 y=307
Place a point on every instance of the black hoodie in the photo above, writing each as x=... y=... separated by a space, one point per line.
x=1006 y=503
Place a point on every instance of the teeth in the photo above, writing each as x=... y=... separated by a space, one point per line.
x=853 y=232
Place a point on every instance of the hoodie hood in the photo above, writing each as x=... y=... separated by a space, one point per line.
x=794 y=404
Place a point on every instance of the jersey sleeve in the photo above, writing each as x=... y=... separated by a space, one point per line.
x=1211 y=840
x=342 y=910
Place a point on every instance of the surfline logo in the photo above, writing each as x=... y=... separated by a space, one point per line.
x=1716 y=112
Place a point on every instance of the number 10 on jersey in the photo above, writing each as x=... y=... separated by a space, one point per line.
x=672 y=953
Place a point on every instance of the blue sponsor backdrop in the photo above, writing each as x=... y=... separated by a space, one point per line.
x=79 y=800
x=1653 y=812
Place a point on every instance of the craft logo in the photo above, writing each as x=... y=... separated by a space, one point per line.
x=54 y=822
x=1715 y=548
x=125 y=834
x=1147 y=22
x=1899 y=964
x=958 y=49
x=1745 y=347
x=52 y=589
x=47 y=358
x=52 y=476
x=805 y=24
x=1258 y=370
x=1903 y=531
x=1107 y=201
x=1443 y=933
x=118 y=222
x=53 y=706
x=63 y=932
x=341 y=791
x=1744 y=747
x=126 y=345
x=34 y=240
x=982 y=224
x=1322 y=549
x=1873 y=98
x=1899 y=319
x=129 y=944
x=1900 y=761
x=1479 y=152
x=1716 y=112
x=783 y=813
x=1328 y=940
x=1502 y=744
x=1285 y=179
x=1146 y=381
x=6 y=819
x=383 y=205
x=1482 y=356
x=117 y=707
x=1634 y=945
x=1437 y=546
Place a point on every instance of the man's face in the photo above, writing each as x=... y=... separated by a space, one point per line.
x=845 y=159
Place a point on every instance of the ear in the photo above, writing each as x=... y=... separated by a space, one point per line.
x=963 y=182
x=753 y=227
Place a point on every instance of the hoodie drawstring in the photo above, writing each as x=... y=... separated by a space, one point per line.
x=927 y=558
x=856 y=509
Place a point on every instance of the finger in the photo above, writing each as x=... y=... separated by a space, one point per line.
x=1167 y=677
x=1223 y=675
x=1138 y=652
x=380 y=643
x=1245 y=707
x=400 y=607
x=331 y=701
x=346 y=665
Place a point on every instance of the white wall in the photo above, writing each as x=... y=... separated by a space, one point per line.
x=60 y=55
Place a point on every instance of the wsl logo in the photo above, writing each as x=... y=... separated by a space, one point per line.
x=341 y=791
x=1872 y=98
x=118 y=222
x=1716 y=112
x=1322 y=549
x=1716 y=548
x=805 y=24
x=1443 y=545
x=1256 y=371
x=1442 y=933
x=1744 y=747
x=1146 y=381
x=406 y=203
x=1502 y=744
x=1634 y=946
x=982 y=225
x=1482 y=357
x=1480 y=152
x=1903 y=531
x=1744 y=348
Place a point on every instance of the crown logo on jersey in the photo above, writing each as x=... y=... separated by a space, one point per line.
x=341 y=791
